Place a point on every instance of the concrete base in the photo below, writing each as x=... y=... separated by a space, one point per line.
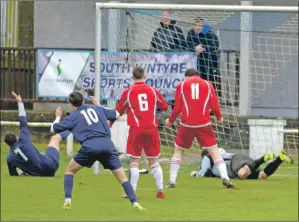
x=265 y=136
x=119 y=134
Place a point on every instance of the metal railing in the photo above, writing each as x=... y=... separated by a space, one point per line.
x=17 y=68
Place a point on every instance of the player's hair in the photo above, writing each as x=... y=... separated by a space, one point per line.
x=138 y=72
x=204 y=152
x=199 y=20
x=76 y=99
x=10 y=139
x=191 y=72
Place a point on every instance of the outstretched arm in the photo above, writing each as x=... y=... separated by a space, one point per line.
x=122 y=106
x=177 y=107
x=215 y=104
x=111 y=114
x=67 y=124
x=24 y=130
x=204 y=167
x=161 y=102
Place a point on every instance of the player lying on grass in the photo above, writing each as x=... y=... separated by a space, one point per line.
x=194 y=98
x=25 y=156
x=241 y=166
x=140 y=101
x=89 y=125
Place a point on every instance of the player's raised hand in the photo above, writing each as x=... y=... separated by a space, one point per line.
x=168 y=123
x=199 y=49
x=94 y=100
x=59 y=112
x=219 y=121
x=17 y=97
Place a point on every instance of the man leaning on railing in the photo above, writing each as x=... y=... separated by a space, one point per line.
x=205 y=43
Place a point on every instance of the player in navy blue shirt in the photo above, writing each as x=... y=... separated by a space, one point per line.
x=25 y=156
x=89 y=125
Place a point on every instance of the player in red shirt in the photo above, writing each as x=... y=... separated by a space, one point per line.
x=141 y=101
x=193 y=100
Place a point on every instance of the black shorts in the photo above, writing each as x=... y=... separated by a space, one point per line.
x=254 y=175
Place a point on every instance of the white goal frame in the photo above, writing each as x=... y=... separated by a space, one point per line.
x=245 y=8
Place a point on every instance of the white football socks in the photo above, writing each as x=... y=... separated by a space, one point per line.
x=134 y=175
x=220 y=165
x=174 y=169
x=96 y=168
x=158 y=176
x=135 y=204
x=68 y=200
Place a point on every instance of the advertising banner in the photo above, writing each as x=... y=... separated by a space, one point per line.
x=60 y=72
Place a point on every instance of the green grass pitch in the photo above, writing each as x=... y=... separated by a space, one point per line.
x=97 y=197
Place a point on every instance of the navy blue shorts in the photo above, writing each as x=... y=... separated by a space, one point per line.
x=101 y=150
x=50 y=160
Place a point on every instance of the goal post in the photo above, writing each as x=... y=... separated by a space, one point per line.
x=245 y=52
x=252 y=58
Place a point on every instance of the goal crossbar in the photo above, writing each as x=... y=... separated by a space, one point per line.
x=234 y=8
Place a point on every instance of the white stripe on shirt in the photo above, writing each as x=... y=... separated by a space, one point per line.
x=207 y=99
x=184 y=99
x=128 y=99
x=156 y=98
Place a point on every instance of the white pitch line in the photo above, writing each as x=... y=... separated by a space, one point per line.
x=285 y=175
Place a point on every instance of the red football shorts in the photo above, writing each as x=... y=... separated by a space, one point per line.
x=204 y=135
x=143 y=138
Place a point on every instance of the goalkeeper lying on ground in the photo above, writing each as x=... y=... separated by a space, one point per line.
x=241 y=166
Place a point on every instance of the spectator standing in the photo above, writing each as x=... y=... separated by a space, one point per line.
x=205 y=43
x=168 y=37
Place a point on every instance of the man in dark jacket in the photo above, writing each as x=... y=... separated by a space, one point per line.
x=168 y=37
x=204 y=42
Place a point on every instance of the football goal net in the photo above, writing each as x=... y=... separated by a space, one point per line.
x=249 y=53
